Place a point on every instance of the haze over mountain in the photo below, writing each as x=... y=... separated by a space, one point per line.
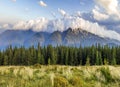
x=69 y=37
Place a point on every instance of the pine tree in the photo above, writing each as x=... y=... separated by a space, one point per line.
x=38 y=57
x=66 y=57
x=42 y=61
x=49 y=61
x=97 y=58
x=113 y=57
x=100 y=59
x=105 y=61
x=22 y=53
x=5 y=62
x=87 y=61
x=76 y=62
x=93 y=55
x=51 y=54
x=71 y=57
x=80 y=55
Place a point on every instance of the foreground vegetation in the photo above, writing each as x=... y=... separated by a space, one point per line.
x=59 y=76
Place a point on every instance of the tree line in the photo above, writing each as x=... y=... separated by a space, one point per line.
x=61 y=55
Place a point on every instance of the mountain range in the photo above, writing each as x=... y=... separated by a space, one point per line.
x=69 y=37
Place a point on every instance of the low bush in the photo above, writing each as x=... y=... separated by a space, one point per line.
x=60 y=82
x=106 y=73
x=76 y=82
x=37 y=65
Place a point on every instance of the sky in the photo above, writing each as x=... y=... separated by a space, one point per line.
x=101 y=17
x=16 y=10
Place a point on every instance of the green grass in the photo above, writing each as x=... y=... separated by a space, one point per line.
x=59 y=76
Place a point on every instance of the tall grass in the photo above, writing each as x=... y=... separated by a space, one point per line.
x=59 y=76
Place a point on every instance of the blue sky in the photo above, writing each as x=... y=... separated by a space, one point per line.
x=30 y=9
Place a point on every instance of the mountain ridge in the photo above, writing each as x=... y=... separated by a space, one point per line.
x=69 y=37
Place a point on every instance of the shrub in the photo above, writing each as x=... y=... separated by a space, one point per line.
x=60 y=82
x=37 y=65
x=106 y=73
x=76 y=82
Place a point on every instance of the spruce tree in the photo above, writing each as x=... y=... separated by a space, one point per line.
x=87 y=61
x=113 y=62
x=97 y=58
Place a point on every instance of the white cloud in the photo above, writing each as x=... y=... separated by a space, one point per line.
x=97 y=8
x=78 y=13
x=36 y=25
x=99 y=16
x=43 y=4
x=43 y=24
x=111 y=6
x=62 y=12
x=6 y=26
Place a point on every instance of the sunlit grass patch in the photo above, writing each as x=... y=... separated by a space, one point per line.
x=59 y=76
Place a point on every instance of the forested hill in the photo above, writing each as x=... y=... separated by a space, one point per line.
x=62 y=55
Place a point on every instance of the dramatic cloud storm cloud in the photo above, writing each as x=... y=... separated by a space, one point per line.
x=43 y=4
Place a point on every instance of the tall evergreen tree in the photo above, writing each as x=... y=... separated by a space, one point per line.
x=87 y=61
x=5 y=62
x=113 y=62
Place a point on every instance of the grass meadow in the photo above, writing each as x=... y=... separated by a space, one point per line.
x=59 y=76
